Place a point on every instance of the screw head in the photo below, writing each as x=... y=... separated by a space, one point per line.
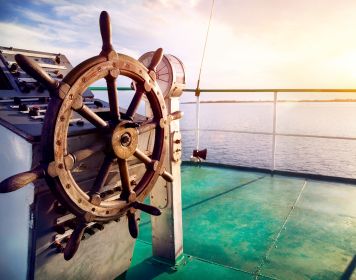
x=125 y=139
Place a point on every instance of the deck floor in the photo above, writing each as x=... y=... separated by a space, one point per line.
x=249 y=225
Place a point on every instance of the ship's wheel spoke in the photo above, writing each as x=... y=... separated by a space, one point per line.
x=152 y=164
x=87 y=152
x=131 y=110
x=127 y=193
x=149 y=209
x=93 y=118
x=146 y=126
x=74 y=241
x=142 y=157
x=101 y=178
x=113 y=99
x=156 y=59
x=79 y=155
x=32 y=68
x=105 y=31
x=133 y=227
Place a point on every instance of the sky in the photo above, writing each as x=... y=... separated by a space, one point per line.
x=251 y=44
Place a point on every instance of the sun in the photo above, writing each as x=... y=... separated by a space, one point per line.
x=353 y=74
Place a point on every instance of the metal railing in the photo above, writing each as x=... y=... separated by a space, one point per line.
x=275 y=100
x=271 y=90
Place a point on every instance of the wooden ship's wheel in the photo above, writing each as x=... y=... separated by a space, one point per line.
x=120 y=137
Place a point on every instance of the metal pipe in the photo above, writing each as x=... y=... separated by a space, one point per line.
x=271 y=90
x=105 y=88
x=197 y=119
x=277 y=134
x=275 y=95
x=102 y=88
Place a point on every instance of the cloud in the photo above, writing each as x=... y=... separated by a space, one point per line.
x=21 y=36
x=252 y=44
x=137 y=26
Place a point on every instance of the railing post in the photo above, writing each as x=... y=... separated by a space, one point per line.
x=273 y=164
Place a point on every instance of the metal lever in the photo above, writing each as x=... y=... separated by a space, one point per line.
x=20 y=180
x=35 y=71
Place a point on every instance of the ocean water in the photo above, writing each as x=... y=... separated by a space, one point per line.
x=223 y=126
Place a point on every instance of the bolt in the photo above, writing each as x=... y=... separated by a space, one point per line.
x=125 y=139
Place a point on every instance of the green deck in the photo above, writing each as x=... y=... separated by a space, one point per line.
x=248 y=225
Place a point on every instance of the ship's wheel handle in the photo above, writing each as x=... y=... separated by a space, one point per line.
x=33 y=69
x=120 y=136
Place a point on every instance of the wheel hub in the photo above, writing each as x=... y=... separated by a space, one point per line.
x=124 y=141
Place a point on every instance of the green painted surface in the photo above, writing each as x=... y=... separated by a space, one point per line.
x=247 y=225
x=236 y=229
x=145 y=267
x=319 y=240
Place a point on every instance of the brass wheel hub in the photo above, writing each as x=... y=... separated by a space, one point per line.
x=124 y=141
